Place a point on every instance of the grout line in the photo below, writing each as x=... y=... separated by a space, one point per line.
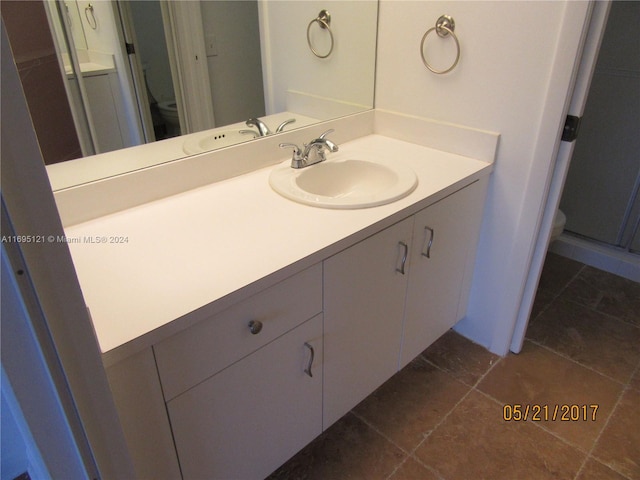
x=391 y=441
x=538 y=425
x=608 y=316
x=566 y=357
x=625 y=385
x=426 y=435
x=382 y=434
x=446 y=416
x=557 y=295
x=595 y=441
x=594 y=308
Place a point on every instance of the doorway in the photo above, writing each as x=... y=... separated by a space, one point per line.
x=591 y=253
x=143 y=28
x=601 y=194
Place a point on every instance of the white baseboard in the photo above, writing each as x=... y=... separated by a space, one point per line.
x=600 y=256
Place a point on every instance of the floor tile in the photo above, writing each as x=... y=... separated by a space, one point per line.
x=608 y=345
x=463 y=359
x=619 y=445
x=413 y=470
x=539 y=377
x=595 y=470
x=557 y=272
x=541 y=302
x=411 y=403
x=349 y=449
x=587 y=323
x=607 y=293
x=635 y=380
x=474 y=443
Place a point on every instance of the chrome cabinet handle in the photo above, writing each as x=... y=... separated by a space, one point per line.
x=401 y=270
x=255 y=327
x=310 y=364
x=427 y=253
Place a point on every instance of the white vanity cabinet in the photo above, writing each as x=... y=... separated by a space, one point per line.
x=247 y=420
x=442 y=256
x=237 y=393
x=364 y=292
x=387 y=298
x=232 y=396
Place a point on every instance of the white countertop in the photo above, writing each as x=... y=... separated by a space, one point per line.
x=194 y=249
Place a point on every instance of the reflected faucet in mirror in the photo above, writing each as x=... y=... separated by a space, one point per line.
x=263 y=130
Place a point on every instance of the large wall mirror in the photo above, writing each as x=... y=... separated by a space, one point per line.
x=138 y=83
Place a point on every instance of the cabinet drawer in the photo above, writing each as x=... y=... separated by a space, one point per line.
x=250 y=418
x=199 y=352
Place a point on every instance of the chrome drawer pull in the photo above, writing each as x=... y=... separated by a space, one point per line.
x=255 y=327
x=313 y=354
x=404 y=257
x=428 y=252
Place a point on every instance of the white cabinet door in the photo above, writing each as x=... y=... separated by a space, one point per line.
x=247 y=420
x=364 y=291
x=444 y=240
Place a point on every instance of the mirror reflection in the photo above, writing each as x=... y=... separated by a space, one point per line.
x=191 y=76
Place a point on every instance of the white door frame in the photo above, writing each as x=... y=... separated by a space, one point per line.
x=184 y=34
x=137 y=85
x=578 y=100
x=266 y=55
x=44 y=274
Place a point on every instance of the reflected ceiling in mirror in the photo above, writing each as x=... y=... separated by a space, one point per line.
x=254 y=60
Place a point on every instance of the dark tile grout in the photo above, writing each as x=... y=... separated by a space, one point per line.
x=426 y=435
x=557 y=295
x=444 y=418
x=588 y=455
x=595 y=441
x=625 y=385
x=576 y=362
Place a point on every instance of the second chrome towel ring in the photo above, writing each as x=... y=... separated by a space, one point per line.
x=90 y=15
x=324 y=21
x=445 y=27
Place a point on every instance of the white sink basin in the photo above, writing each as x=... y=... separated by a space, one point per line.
x=344 y=183
x=205 y=141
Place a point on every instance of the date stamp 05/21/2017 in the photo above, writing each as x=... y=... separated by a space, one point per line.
x=515 y=412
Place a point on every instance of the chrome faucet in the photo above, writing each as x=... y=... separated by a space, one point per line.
x=263 y=130
x=313 y=152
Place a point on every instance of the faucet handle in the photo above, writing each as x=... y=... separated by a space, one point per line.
x=297 y=160
x=296 y=148
x=331 y=130
x=284 y=124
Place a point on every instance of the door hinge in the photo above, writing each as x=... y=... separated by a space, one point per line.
x=571 y=127
x=131 y=49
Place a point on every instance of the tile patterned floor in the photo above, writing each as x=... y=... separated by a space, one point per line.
x=441 y=417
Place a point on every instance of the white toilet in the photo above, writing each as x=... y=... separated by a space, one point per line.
x=558 y=225
x=169 y=113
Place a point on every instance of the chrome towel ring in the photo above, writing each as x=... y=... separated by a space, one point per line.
x=324 y=21
x=90 y=15
x=445 y=26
